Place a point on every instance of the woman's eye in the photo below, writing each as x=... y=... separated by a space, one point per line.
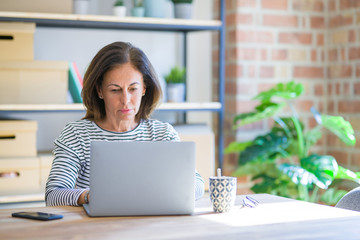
x=133 y=89
x=115 y=90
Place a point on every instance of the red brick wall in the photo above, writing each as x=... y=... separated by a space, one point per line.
x=343 y=76
x=316 y=42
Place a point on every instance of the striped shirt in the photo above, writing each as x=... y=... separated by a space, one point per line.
x=70 y=172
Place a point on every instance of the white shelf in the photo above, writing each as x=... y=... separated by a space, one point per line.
x=106 y=18
x=42 y=107
x=195 y=106
x=187 y=106
x=113 y=22
x=22 y=198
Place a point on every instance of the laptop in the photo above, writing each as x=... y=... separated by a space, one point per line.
x=141 y=178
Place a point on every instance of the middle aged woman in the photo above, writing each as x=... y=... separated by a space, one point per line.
x=120 y=92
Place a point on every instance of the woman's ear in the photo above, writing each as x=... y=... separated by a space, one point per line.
x=144 y=88
x=144 y=91
x=99 y=92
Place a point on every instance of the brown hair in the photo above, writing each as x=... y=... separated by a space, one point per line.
x=106 y=59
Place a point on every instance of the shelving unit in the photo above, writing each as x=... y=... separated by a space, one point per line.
x=185 y=106
x=137 y=24
x=111 y=22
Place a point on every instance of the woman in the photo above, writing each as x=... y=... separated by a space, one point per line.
x=120 y=92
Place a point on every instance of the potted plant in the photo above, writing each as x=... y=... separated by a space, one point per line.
x=280 y=161
x=183 y=8
x=155 y=8
x=138 y=9
x=80 y=6
x=119 y=8
x=175 y=84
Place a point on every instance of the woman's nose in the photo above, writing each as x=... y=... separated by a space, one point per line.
x=125 y=97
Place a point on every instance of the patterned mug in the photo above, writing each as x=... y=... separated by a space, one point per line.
x=222 y=193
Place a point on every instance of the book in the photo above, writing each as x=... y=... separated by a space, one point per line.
x=75 y=86
x=78 y=74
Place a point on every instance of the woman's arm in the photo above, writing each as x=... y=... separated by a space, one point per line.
x=60 y=186
x=66 y=168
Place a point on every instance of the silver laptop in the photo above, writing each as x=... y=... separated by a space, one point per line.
x=141 y=178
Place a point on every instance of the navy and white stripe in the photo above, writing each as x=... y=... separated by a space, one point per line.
x=70 y=172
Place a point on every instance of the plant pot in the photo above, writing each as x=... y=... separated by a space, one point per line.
x=175 y=92
x=138 y=12
x=155 y=8
x=80 y=6
x=119 y=11
x=183 y=10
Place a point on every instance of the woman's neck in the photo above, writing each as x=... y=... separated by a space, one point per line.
x=117 y=126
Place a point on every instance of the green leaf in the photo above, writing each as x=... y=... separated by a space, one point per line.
x=264 y=111
x=332 y=196
x=176 y=75
x=289 y=125
x=269 y=179
x=287 y=128
x=288 y=90
x=325 y=168
x=340 y=128
x=344 y=173
x=265 y=148
x=312 y=136
x=119 y=3
x=235 y=147
x=299 y=175
x=257 y=168
x=266 y=186
x=280 y=185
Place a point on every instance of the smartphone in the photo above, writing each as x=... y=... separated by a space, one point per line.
x=37 y=215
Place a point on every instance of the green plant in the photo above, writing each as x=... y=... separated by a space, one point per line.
x=176 y=75
x=182 y=1
x=137 y=3
x=119 y=3
x=280 y=161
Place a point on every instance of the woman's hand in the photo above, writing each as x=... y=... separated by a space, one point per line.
x=81 y=199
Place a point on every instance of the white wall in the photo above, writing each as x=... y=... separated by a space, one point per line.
x=81 y=45
x=200 y=63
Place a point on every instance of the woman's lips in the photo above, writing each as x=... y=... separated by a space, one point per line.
x=125 y=111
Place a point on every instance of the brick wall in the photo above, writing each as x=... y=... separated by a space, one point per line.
x=316 y=42
x=343 y=74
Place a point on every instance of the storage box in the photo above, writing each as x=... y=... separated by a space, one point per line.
x=18 y=138
x=39 y=6
x=204 y=139
x=45 y=167
x=33 y=82
x=17 y=41
x=19 y=176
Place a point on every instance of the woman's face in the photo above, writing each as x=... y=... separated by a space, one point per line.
x=122 y=90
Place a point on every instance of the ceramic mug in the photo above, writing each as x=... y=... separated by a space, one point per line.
x=222 y=193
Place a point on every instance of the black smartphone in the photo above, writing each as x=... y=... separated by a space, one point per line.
x=37 y=215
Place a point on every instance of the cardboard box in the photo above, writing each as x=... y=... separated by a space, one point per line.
x=17 y=41
x=33 y=82
x=18 y=138
x=45 y=167
x=204 y=139
x=19 y=176
x=40 y=6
